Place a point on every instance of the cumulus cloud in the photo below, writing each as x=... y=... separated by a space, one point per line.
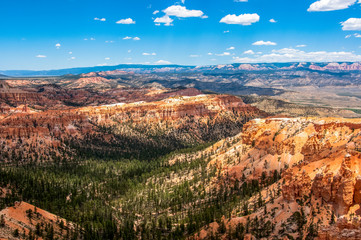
x=272 y=20
x=40 y=56
x=149 y=54
x=330 y=5
x=100 y=19
x=250 y=52
x=296 y=55
x=129 y=38
x=183 y=12
x=243 y=19
x=155 y=12
x=223 y=54
x=176 y=11
x=264 y=43
x=162 y=62
x=351 y=24
x=166 y=20
x=126 y=21
x=301 y=46
x=58 y=45
x=231 y=48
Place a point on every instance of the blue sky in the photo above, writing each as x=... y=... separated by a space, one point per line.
x=53 y=34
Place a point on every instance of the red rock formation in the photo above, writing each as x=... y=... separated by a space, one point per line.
x=19 y=217
x=296 y=186
x=342 y=230
x=183 y=119
x=322 y=178
x=16 y=96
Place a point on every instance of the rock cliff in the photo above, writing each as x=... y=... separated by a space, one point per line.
x=130 y=130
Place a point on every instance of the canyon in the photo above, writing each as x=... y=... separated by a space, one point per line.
x=124 y=155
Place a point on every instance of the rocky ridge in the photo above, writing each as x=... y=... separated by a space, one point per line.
x=318 y=193
x=24 y=220
x=121 y=128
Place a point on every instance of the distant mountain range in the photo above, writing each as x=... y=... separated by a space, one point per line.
x=236 y=67
x=59 y=72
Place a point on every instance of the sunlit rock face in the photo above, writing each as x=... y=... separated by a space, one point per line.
x=167 y=124
x=319 y=162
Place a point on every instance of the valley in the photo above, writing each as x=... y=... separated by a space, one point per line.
x=162 y=155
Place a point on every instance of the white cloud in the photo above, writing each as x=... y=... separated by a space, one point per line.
x=149 y=54
x=102 y=64
x=165 y=19
x=272 y=20
x=183 y=12
x=155 y=12
x=351 y=24
x=348 y=36
x=129 y=38
x=209 y=54
x=58 y=45
x=129 y=51
x=357 y=35
x=194 y=56
x=240 y=0
x=243 y=19
x=70 y=52
x=100 y=19
x=301 y=46
x=72 y=58
x=126 y=21
x=40 y=56
x=296 y=55
x=107 y=58
x=223 y=54
x=227 y=31
x=330 y=5
x=250 y=52
x=162 y=62
x=177 y=11
x=231 y=48
x=264 y=43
